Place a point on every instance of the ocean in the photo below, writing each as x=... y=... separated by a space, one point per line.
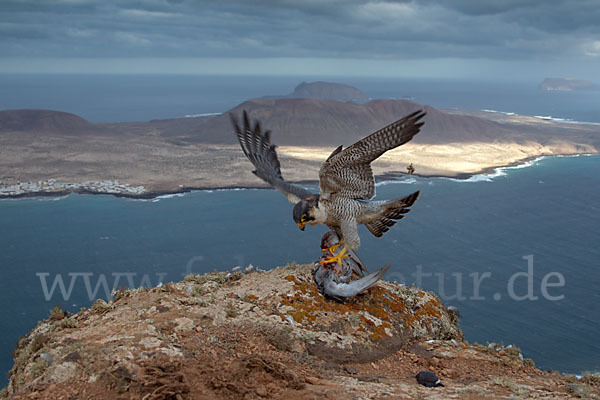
x=526 y=225
x=516 y=251
x=120 y=98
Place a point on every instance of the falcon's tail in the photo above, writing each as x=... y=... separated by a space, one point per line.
x=393 y=211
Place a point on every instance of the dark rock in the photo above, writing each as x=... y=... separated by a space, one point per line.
x=428 y=379
x=350 y=370
x=73 y=356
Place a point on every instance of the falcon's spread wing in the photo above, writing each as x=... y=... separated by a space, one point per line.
x=261 y=153
x=347 y=173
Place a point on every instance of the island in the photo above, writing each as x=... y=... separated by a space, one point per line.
x=327 y=90
x=567 y=85
x=45 y=152
x=324 y=90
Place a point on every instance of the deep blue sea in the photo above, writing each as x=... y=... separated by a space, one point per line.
x=113 y=98
x=459 y=232
x=516 y=251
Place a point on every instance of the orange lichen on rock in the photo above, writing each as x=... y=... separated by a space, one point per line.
x=378 y=314
x=266 y=335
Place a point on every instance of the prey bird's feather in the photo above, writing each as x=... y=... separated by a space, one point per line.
x=342 y=291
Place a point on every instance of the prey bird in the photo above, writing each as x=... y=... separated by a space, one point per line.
x=347 y=184
x=333 y=279
x=350 y=263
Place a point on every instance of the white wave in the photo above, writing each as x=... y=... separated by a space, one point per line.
x=37 y=198
x=407 y=181
x=576 y=155
x=479 y=177
x=551 y=118
x=167 y=196
x=498 y=172
x=58 y=198
x=233 y=189
x=544 y=117
x=201 y=115
x=525 y=164
x=564 y=120
x=500 y=112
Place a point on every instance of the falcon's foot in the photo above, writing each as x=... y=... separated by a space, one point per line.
x=335 y=258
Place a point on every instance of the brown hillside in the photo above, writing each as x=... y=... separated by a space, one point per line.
x=44 y=121
x=321 y=122
x=306 y=122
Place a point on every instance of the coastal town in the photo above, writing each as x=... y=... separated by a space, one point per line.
x=51 y=186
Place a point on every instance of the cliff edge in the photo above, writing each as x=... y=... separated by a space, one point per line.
x=269 y=335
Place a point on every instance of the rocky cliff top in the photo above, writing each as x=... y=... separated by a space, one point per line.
x=269 y=335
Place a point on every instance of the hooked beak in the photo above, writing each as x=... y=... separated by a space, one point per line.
x=301 y=225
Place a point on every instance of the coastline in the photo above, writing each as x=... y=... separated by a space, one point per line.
x=145 y=161
x=385 y=177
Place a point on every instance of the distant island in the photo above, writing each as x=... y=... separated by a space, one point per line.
x=324 y=90
x=45 y=152
x=566 y=84
x=327 y=90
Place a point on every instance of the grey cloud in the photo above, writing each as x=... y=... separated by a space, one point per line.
x=547 y=15
x=509 y=29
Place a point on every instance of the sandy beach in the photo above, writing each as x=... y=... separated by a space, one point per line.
x=166 y=165
x=448 y=160
x=180 y=168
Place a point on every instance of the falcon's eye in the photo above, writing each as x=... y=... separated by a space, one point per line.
x=304 y=218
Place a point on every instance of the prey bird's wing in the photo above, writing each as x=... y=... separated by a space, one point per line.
x=261 y=153
x=342 y=291
x=347 y=173
x=358 y=266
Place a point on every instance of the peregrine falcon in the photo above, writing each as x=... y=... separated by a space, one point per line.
x=346 y=180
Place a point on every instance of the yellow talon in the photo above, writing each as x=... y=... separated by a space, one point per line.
x=334 y=247
x=335 y=259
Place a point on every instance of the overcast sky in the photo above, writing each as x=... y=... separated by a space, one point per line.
x=443 y=38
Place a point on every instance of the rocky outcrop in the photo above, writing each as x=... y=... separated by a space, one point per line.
x=267 y=335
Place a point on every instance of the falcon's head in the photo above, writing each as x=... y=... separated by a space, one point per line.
x=304 y=211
